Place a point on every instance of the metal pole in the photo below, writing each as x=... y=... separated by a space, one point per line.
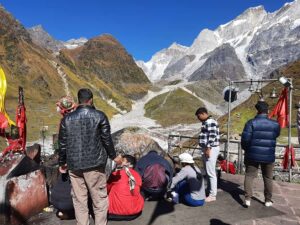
x=290 y=130
x=254 y=81
x=228 y=127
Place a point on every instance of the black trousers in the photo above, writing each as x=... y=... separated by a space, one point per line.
x=123 y=217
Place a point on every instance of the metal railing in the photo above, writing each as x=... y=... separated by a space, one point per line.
x=181 y=143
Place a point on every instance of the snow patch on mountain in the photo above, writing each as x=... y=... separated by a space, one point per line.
x=295 y=24
x=75 y=43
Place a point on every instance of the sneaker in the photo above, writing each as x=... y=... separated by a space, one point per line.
x=61 y=215
x=175 y=197
x=210 y=199
x=247 y=203
x=49 y=209
x=268 y=204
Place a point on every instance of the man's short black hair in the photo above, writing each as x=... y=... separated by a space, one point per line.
x=131 y=159
x=84 y=94
x=201 y=110
x=262 y=107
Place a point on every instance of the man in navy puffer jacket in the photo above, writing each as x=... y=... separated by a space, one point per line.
x=259 y=142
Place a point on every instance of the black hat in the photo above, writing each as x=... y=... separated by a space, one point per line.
x=262 y=107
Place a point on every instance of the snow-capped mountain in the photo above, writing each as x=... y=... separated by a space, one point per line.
x=277 y=42
x=158 y=63
x=261 y=41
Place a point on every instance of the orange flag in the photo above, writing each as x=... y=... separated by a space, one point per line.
x=281 y=109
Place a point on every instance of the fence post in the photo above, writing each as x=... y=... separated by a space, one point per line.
x=225 y=150
x=180 y=145
x=169 y=143
x=240 y=158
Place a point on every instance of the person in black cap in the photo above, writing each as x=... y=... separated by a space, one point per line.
x=259 y=142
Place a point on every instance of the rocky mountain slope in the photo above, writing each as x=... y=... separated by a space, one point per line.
x=28 y=65
x=103 y=65
x=105 y=58
x=221 y=63
x=262 y=42
x=42 y=38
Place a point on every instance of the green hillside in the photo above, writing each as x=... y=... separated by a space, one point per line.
x=211 y=90
x=173 y=107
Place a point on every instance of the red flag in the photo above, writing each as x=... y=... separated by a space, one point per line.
x=21 y=118
x=21 y=123
x=287 y=158
x=281 y=109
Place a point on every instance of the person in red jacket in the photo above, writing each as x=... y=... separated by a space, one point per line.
x=223 y=164
x=123 y=186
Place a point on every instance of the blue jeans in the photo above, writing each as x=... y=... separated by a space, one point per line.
x=183 y=190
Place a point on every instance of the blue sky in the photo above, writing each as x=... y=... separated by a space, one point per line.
x=143 y=27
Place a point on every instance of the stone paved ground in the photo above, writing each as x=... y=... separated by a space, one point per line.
x=227 y=210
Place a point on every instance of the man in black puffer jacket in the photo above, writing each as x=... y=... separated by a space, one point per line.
x=84 y=145
x=259 y=142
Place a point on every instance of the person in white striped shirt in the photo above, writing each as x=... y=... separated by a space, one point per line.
x=209 y=138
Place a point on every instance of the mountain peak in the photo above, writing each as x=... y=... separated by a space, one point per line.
x=290 y=10
x=105 y=38
x=177 y=46
x=206 y=41
x=254 y=14
x=205 y=34
x=38 y=27
x=256 y=9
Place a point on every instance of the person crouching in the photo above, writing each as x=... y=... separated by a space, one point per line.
x=123 y=186
x=188 y=185
x=156 y=173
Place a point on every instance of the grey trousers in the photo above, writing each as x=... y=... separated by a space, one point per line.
x=94 y=182
x=210 y=168
x=251 y=173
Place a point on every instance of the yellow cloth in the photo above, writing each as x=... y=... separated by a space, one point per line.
x=3 y=87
